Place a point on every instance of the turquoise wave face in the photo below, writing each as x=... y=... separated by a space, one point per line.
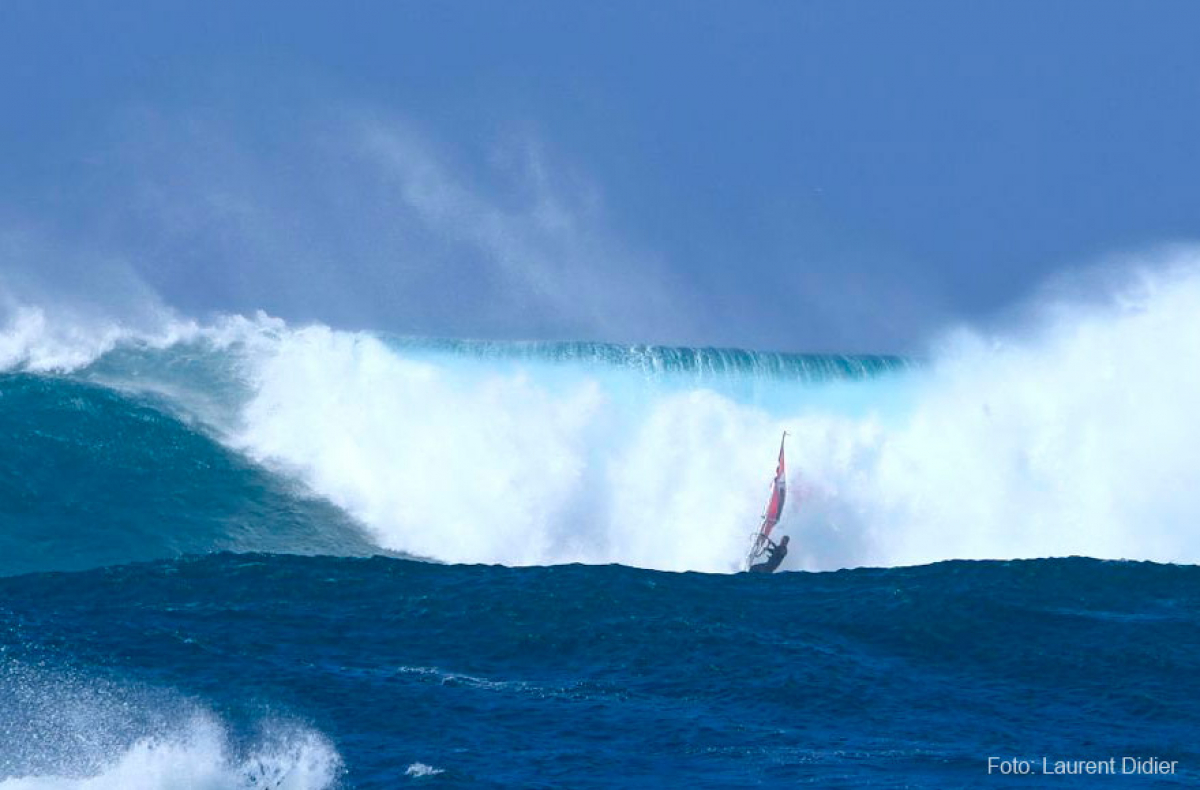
x=91 y=477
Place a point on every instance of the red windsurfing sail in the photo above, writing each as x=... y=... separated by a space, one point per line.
x=774 y=507
x=778 y=495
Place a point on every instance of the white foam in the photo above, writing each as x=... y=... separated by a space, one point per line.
x=198 y=756
x=62 y=732
x=63 y=337
x=464 y=468
x=421 y=769
x=1080 y=437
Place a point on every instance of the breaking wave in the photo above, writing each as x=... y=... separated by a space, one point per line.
x=1077 y=435
x=69 y=734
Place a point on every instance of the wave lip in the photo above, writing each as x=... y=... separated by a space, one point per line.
x=663 y=360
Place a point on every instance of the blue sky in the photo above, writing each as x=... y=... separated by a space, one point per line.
x=793 y=175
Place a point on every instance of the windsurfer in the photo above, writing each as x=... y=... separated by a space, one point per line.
x=775 y=554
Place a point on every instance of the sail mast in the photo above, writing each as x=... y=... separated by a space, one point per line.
x=774 y=509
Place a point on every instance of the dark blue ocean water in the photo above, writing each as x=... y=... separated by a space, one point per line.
x=174 y=614
x=610 y=677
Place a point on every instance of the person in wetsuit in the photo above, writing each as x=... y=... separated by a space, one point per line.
x=775 y=555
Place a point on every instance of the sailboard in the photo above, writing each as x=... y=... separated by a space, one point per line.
x=774 y=509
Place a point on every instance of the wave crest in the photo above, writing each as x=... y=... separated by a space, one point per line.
x=1076 y=435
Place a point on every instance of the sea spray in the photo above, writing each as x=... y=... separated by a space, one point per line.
x=1076 y=435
